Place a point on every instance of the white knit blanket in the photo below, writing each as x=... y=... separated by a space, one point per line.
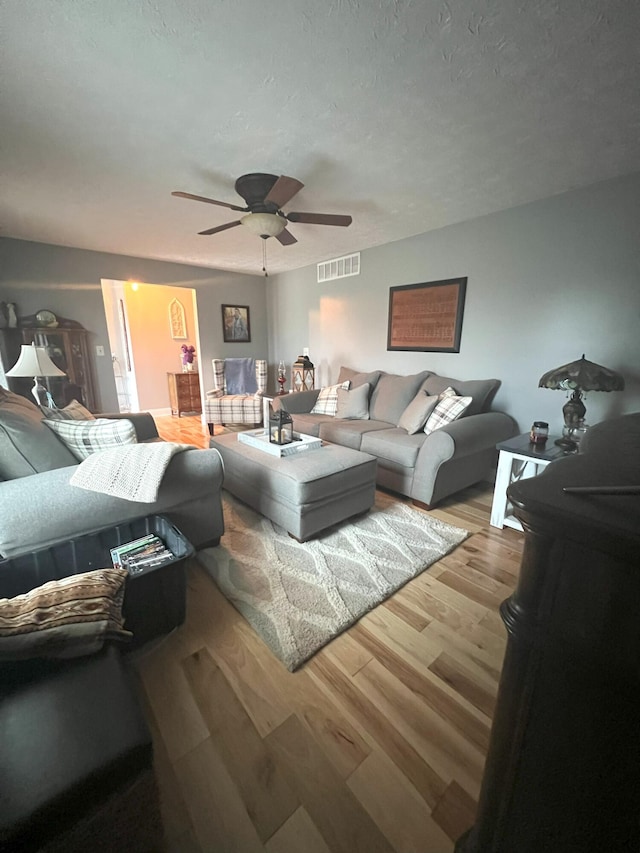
x=133 y=472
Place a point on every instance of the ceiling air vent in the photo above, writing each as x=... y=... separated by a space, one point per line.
x=339 y=268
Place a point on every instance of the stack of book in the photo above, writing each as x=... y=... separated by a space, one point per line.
x=148 y=552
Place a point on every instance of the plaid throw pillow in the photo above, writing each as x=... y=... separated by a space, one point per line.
x=75 y=411
x=64 y=618
x=327 y=402
x=449 y=408
x=86 y=437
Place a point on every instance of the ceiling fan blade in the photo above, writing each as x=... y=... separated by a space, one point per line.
x=286 y=238
x=283 y=191
x=320 y=218
x=220 y=228
x=208 y=200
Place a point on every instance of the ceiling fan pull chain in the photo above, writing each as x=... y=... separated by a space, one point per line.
x=264 y=259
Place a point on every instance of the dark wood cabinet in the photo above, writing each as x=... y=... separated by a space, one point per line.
x=563 y=769
x=68 y=349
x=184 y=393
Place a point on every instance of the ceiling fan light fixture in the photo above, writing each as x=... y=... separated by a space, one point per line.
x=264 y=224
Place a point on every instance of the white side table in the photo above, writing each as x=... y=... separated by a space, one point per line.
x=518 y=460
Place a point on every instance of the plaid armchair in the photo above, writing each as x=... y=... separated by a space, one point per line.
x=223 y=408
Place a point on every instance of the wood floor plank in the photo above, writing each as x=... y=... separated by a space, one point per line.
x=434 y=739
x=267 y=691
x=428 y=687
x=396 y=807
x=456 y=811
x=257 y=677
x=220 y=820
x=298 y=835
x=347 y=653
x=488 y=660
x=266 y=795
x=381 y=729
x=170 y=698
x=175 y=816
x=473 y=685
x=463 y=606
x=404 y=611
x=335 y=811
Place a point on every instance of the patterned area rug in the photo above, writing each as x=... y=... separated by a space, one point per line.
x=299 y=596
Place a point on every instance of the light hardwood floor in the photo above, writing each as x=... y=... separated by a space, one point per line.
x=376 y=744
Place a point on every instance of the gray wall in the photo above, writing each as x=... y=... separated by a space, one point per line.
x=547 y=282
x=67 y=281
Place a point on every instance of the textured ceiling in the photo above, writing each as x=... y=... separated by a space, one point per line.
x=409 y=115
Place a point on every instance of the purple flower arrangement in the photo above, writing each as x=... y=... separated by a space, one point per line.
x=188 y=353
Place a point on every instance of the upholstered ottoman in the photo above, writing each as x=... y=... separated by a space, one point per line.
x=304 y=493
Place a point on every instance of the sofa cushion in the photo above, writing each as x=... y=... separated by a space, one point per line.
x=74 y=411
x=415 y=415
x=86 y=437
x=393 y=447
x=26 y=445
x=353 y=404
x=309 y=424
x=348 y=433
x=482 y=391
x=357 y=378
x=450 y=407
x=64 y=618
x=392 y=395
x=327 y=401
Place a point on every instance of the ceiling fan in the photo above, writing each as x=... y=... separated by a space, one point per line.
x=265 y=195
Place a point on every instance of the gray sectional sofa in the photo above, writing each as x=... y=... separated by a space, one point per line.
x=39 y=507
x=426 y=468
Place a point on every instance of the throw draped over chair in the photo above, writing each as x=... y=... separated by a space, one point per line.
x=237 y=394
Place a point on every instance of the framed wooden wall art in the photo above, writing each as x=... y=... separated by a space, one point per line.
x=426 y=317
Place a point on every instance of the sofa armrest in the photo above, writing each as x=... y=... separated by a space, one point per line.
x=298 y=403
x=43 y=509
x=143 y=423
x=477 y=432
x=474 y=436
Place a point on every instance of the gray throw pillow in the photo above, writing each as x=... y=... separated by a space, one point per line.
x=26 y=445
x=356 y=378
x=392 y=395
x=353 y=405
x=415 y=415
x=74 y=411
x=482 y=391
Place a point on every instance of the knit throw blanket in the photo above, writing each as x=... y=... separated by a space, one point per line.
x=133 y=472
x=240 y=375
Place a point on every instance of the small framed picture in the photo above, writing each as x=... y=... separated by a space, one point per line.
x=236 y=327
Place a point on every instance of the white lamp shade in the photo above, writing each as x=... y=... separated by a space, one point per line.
x=34 y=361
x=264 y=224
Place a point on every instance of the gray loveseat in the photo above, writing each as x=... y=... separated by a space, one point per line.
x=39 y=507
x=426 y=468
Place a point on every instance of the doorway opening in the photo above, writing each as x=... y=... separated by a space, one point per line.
x=146 y=342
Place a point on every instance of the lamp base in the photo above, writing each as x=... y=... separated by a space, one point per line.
x=42 y=395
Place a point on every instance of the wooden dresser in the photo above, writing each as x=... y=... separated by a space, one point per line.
x=563 y=769
x=184 y=393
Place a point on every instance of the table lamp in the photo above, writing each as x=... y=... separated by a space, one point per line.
x=577 y=377
x=34 y=361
